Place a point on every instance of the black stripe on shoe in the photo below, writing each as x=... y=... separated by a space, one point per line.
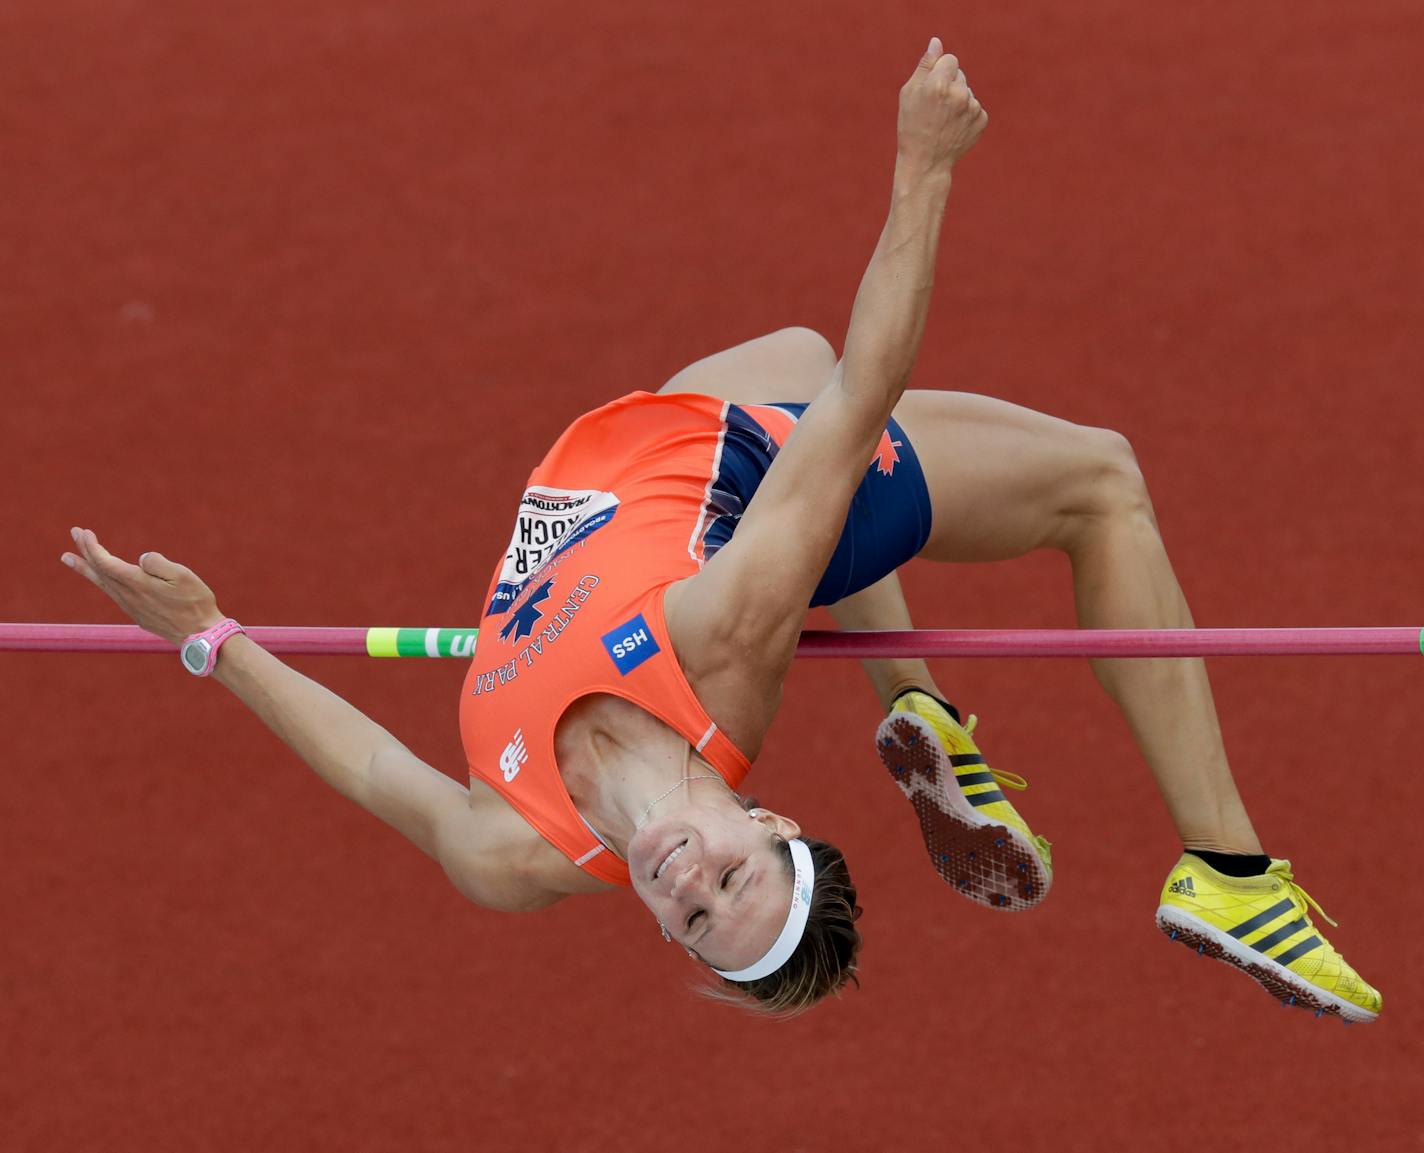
x=1273 y=939
x=1284 y=905
x=1299 y=951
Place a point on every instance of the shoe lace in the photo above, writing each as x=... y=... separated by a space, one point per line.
x=1005 y=780
x=1289 y=878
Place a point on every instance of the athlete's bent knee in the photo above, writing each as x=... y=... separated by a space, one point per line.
x=808 y=343
x=1106 y=489
x=1119 y=484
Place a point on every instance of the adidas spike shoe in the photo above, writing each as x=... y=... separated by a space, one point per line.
x=1262 y=925
x=975 y=838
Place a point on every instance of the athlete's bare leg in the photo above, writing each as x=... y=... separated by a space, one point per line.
x=882 y=606
x=1005 y=480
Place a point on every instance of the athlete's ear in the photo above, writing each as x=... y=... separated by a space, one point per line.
x=783 y=827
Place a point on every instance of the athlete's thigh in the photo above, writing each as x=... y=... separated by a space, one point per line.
x=1003 y=479
x=792 y=364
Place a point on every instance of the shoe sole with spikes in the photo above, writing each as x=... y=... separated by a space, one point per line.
x=1286 y=987
x=991 y=864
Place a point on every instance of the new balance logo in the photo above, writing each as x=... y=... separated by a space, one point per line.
x=1183 y=887
x=513 y=757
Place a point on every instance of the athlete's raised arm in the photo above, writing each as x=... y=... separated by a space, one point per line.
x=752 y=588
x=348 y=750
x=939 y=121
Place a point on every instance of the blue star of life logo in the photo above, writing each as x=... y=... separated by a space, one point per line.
x=521 y=624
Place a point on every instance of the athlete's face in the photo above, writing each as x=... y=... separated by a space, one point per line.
x=714 y=874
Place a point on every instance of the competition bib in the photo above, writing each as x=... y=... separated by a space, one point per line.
x=550 y=520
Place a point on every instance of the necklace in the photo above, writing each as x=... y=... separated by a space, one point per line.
x=638 y=824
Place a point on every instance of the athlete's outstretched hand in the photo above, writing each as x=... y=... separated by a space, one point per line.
x=940 y=119
x=167 y=599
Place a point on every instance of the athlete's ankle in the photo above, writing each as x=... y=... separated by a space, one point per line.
x=1233 y=864
x=931 y=691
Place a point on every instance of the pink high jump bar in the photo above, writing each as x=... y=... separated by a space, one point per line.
x=822 y=644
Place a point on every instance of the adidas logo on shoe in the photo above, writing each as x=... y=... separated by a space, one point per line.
x=1184 y=887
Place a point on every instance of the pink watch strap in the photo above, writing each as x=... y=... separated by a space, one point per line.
x=215 y=637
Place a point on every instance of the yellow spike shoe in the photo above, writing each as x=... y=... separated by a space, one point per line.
x=1262 y=926
x=975 y=838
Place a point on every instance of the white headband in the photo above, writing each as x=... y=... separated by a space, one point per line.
x=780 y=952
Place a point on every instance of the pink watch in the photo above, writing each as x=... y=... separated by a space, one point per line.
x=199 y=652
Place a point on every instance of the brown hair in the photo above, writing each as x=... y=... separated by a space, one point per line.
x=824 y=961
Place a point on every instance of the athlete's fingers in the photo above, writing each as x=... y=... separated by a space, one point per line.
x=81 y=566
x=101 y=560
x=932 y=53
x=969 y=91
x=946 y=66
x=90 y=552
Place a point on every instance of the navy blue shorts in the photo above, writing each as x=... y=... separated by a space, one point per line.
x=889 y=517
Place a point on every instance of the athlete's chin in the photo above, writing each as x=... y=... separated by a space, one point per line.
x=646 y=890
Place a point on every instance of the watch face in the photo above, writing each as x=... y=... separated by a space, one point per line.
x=195 y=655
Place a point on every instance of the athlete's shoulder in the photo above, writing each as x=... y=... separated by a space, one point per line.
x=725 y=668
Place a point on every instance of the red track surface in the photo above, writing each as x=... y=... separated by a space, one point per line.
x=298 y=295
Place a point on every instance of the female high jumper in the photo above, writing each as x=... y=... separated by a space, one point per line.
x=637 y=632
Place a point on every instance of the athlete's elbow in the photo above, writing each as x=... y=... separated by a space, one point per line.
x=496 y=888
x=871 y=385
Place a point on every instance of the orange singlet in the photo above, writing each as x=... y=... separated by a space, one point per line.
x=617 y=511
x=634 y=496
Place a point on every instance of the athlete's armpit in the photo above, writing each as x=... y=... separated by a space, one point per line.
x=495 y=859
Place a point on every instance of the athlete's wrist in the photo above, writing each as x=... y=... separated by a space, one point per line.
x=914 y=180
x=233 y=658
x=200 y=650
